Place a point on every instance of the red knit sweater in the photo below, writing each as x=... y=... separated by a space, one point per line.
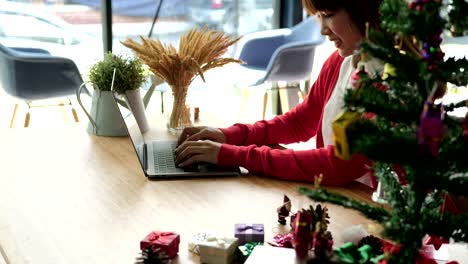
x=247 y=145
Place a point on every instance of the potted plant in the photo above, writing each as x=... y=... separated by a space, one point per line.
x=129 y=76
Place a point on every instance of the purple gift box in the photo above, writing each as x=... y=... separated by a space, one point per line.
x=249 y=233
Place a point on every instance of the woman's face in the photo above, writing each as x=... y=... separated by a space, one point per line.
x=339 y=28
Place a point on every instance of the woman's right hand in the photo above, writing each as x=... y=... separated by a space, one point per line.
x=201 y=133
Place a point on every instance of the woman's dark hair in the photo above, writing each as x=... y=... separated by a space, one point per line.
x=360 y=11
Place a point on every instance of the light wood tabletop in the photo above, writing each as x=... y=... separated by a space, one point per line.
x=70 y=197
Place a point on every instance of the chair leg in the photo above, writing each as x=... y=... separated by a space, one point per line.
x=276 y=99
x=28 y=115
x=13 y=116
x=75 y=115
x=26 y=120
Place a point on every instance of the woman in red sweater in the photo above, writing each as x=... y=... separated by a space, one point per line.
x=248 y=145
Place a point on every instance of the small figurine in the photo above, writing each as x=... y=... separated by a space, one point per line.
x=283 y=210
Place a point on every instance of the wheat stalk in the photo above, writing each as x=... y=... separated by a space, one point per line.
x=199 y=51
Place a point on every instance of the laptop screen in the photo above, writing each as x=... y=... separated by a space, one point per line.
x=134 y=132
x=138 y=141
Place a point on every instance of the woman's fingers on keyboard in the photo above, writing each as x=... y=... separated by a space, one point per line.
x=191 y=152
x=187 y=133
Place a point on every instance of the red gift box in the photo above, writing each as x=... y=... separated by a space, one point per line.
x=167 y=242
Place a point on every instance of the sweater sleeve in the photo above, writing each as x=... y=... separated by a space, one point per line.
x=246 y=144
x=294 y=165
x=299 y=124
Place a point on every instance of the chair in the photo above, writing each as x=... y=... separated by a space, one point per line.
x=277 y=55
x=31 y=74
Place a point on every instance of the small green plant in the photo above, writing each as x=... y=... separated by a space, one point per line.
x=129 y=74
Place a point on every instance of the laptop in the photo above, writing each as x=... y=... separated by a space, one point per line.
x=157 y=156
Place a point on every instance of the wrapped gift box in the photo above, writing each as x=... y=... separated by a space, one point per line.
x=217 y=250
x=249 y=233
x=199 y=238
x=167 y=242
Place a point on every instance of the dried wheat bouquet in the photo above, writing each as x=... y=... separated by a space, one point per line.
x=199 y=51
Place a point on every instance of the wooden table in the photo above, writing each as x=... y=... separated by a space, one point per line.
x=70 y=197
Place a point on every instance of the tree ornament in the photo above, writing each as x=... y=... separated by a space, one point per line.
x=340 y=127
x=430 y=129
x=358 y=74
x=389 y=70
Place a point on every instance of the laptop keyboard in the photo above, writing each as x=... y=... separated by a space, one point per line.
x=164 y=155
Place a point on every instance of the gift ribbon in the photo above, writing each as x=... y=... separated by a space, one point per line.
x=248 y=230
x=250 y=227
x=155 y=236
x=283 y=240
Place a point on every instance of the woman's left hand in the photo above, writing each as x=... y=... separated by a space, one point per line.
x=190 y=152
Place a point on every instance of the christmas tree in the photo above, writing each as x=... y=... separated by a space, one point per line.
x=398 y=120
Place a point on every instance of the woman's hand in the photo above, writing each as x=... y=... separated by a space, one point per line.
x=190 y=152
x=201 y=133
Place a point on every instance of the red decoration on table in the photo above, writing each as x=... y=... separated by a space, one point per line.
x=302 y=234
x=283 y=240
x=167 y=242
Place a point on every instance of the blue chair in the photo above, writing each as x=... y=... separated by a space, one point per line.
x=31 y=74
x=280 y=55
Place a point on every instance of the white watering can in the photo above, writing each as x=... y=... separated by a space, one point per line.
x=104 y=117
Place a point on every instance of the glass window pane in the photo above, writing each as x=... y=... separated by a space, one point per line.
x=133 y=18
x=62 y=28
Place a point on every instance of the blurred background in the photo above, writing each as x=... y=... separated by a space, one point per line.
x=74 y=28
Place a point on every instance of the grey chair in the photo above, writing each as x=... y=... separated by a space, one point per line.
x=280 y=55
x=32 y=74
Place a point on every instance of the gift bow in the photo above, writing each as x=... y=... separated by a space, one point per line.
x=253 y=227
x=155 y=236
